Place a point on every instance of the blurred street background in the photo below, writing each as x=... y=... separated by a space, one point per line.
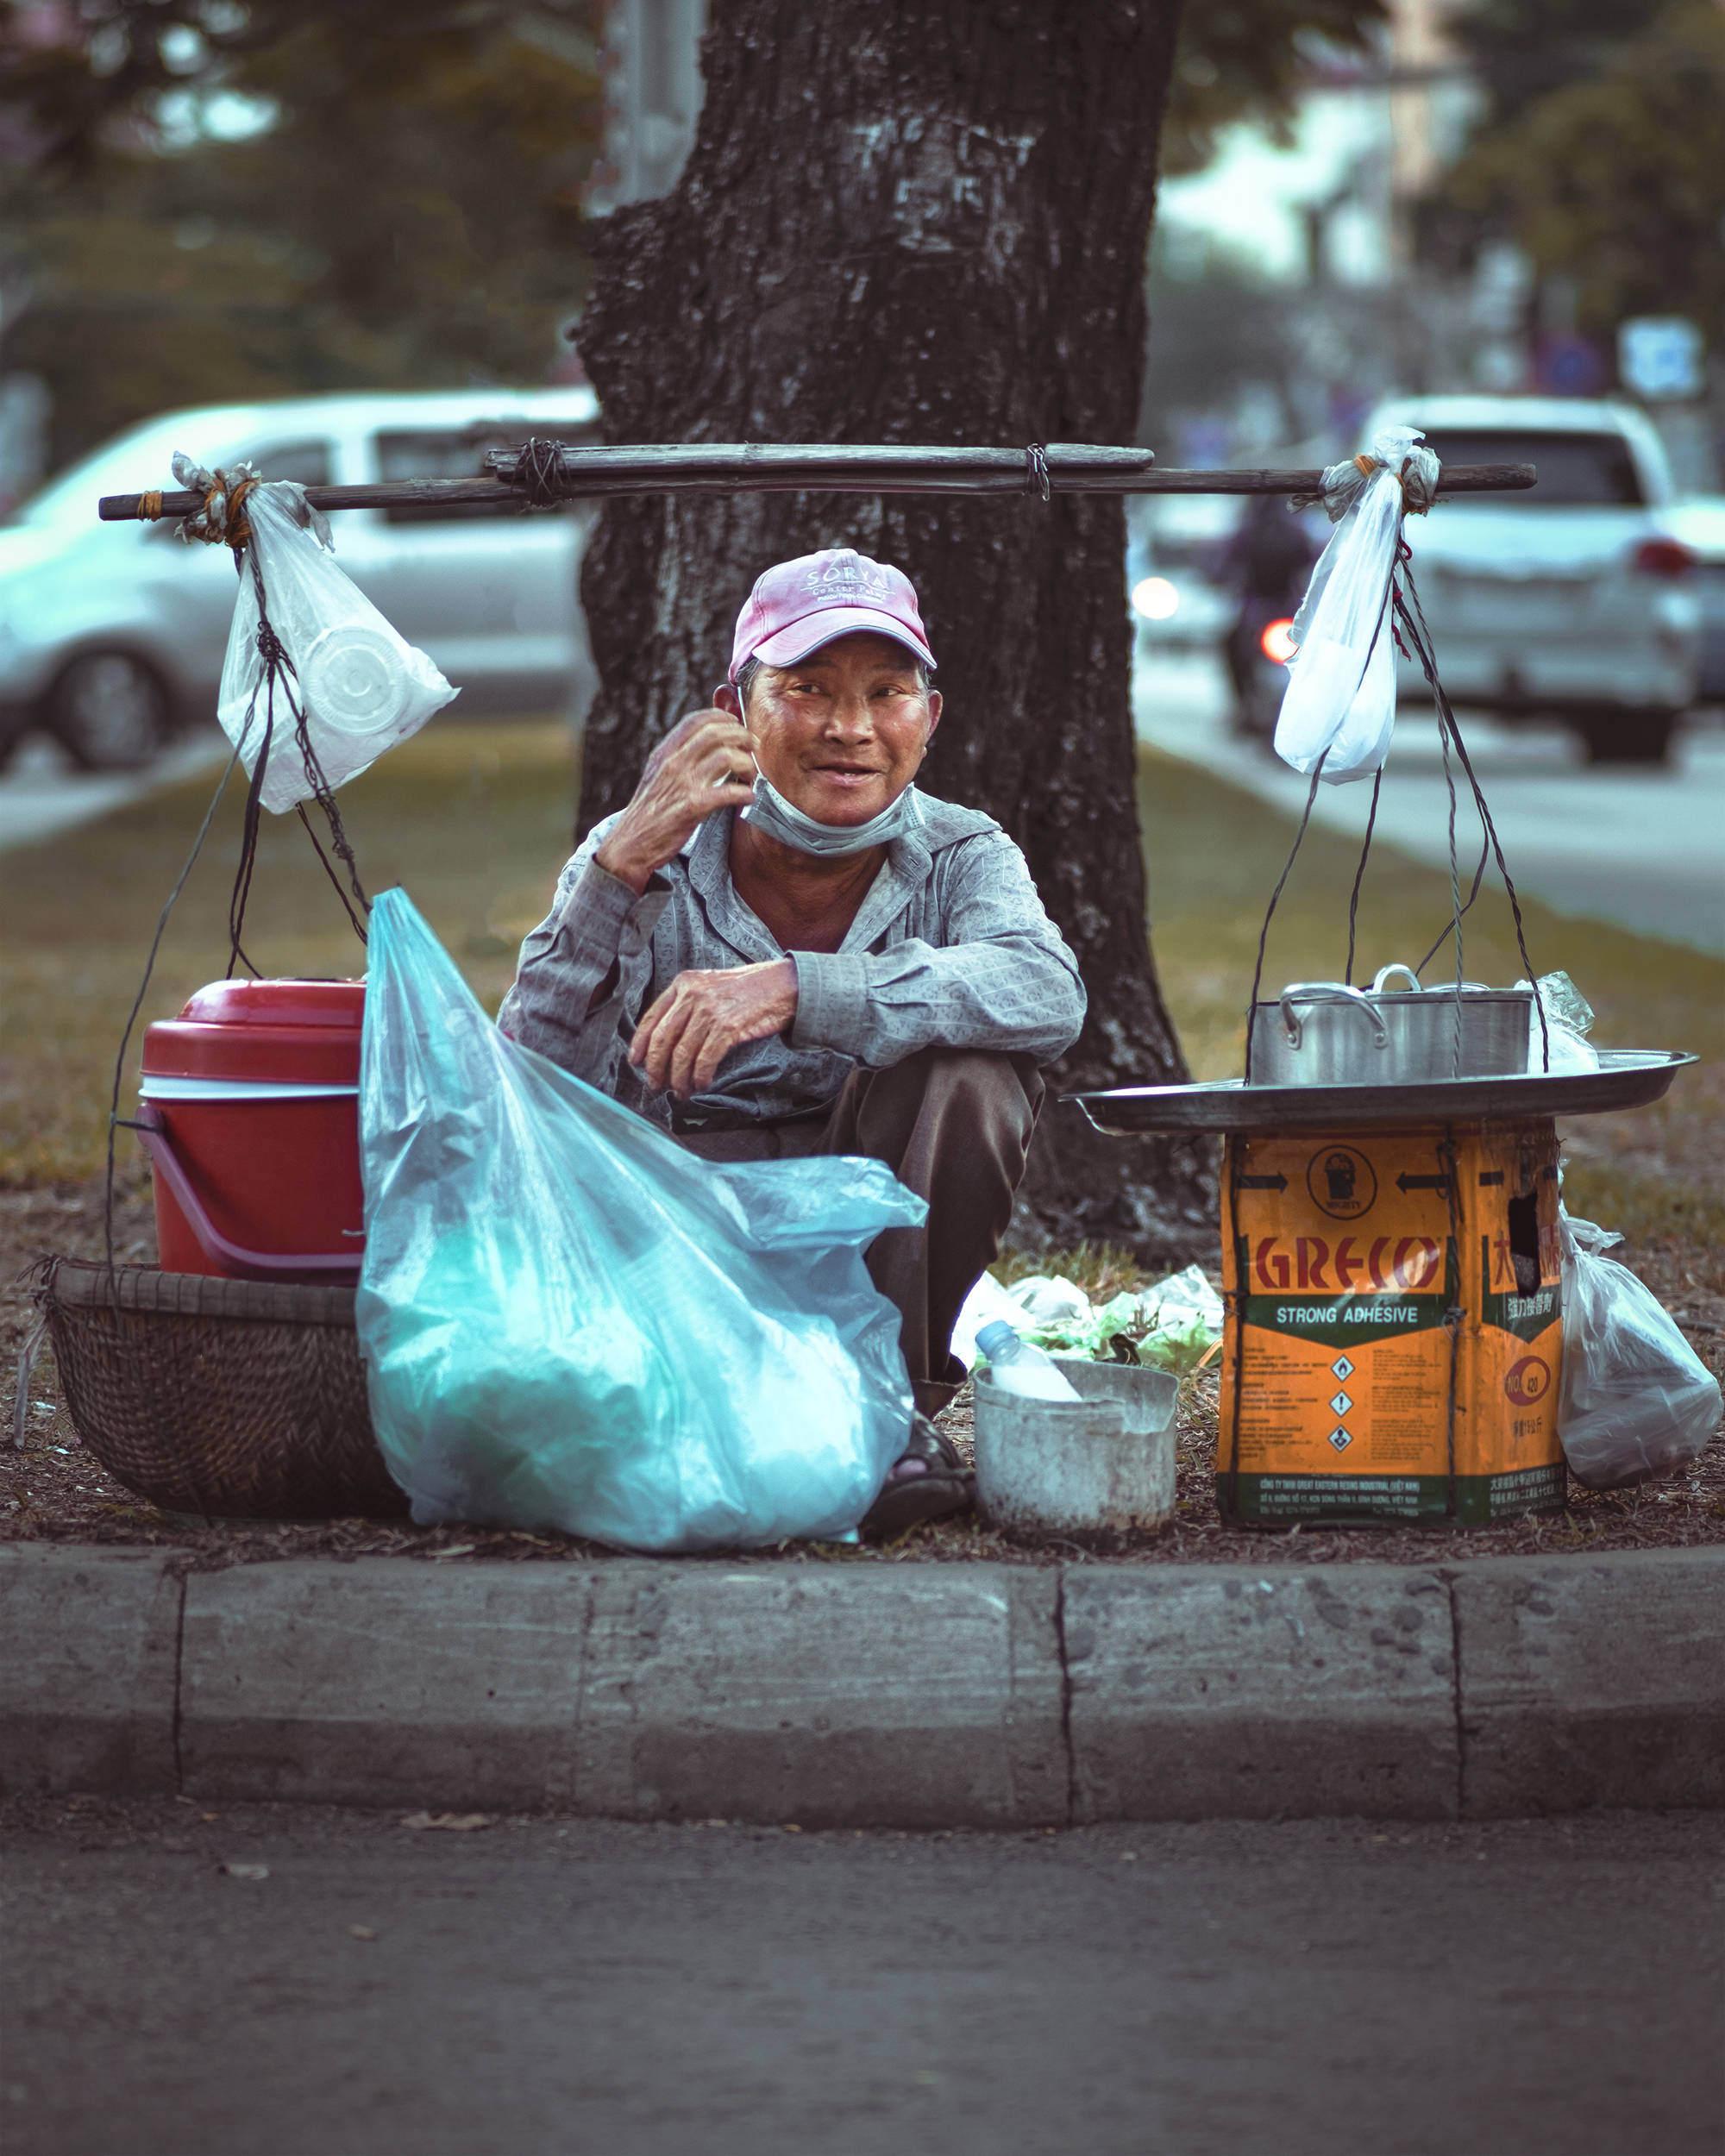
x=1511 y=202
x=352 y=240
x=289 y=227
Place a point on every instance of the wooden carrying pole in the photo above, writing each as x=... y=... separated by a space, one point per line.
x=584 y=474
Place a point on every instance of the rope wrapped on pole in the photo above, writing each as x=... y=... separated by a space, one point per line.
x=542 y=474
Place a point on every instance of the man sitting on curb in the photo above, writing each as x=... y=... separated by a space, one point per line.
x=781 y=948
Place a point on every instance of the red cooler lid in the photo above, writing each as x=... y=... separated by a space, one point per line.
x=304 y=1032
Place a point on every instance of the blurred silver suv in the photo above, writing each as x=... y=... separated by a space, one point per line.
x=1575 y=599
x=112 y=636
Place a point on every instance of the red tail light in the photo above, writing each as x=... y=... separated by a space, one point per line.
x=1664 y=557
x=1277 y=643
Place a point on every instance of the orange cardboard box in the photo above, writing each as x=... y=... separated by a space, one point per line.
x=1394 y=1328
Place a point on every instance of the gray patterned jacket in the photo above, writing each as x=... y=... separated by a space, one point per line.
x=950 y=948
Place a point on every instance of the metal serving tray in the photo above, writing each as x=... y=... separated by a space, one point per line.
x=1625 y=1079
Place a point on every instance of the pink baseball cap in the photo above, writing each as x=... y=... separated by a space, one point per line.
x=797 y=606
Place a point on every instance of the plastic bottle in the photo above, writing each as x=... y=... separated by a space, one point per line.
x=1017 y=1367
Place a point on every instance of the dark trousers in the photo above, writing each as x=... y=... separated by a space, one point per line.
x=954 y=1126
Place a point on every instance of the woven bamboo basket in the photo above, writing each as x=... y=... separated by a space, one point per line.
x=238 y=1398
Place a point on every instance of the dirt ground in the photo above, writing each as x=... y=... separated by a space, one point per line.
x=54 y=1490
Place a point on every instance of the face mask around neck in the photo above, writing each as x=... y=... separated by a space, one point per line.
x=772 y=813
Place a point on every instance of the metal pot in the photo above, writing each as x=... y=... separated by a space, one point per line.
x=1325 y=1033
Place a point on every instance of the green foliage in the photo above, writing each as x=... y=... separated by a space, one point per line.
x=1614 y=178
x=1242 y=60
x=411 y=217
x=408 y=217
x=1522 y=48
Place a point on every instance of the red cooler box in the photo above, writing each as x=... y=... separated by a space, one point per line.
x=249 y=1103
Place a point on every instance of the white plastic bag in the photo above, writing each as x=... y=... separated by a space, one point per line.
x=364 y=688
x=1635 y=1400
x=1049 y=1300
x=1568 y=1017
x=987 y=1301
x=1341 y=700
x=569 y=1321
x=1186 y=1294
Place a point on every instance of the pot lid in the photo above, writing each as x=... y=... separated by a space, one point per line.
x=307 y=1032
x=336 y=1003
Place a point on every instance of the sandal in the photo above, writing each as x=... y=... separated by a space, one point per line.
x=926 y=1482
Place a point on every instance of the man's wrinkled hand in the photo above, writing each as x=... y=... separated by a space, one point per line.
x=688 y=1032
x=701 y=764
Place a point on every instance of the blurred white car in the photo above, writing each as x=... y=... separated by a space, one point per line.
x=112 y=636
x=1573 y=599
x=1700 y=523
x=1173 y=542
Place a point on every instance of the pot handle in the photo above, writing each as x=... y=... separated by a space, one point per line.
x=1332 y=991
x=1419 y=987
x=243 y=1264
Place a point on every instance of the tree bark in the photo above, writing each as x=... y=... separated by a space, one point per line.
x=905 y=224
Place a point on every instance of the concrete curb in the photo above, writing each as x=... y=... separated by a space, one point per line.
x=905 y=1695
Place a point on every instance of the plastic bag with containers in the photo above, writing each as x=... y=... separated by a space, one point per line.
x=1170 y=1325
x=569 y=1321
x=364 y=687
x=1340 y=698
x=1635 y=1399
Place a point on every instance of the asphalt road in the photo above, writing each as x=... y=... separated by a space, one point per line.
x=1639 y=846
x=1337 y=1988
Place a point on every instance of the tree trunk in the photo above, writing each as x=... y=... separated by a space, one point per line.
x=905 y=224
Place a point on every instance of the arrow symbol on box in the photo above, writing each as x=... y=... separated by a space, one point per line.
x=1260 y=1183
x=1405 y=1183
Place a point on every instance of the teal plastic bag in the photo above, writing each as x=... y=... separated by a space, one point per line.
x=569 y=1321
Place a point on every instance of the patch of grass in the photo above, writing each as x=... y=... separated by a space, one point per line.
x=475 y=820
x=1647 y=1208
x=1214 y=854
x=1103 y=1270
